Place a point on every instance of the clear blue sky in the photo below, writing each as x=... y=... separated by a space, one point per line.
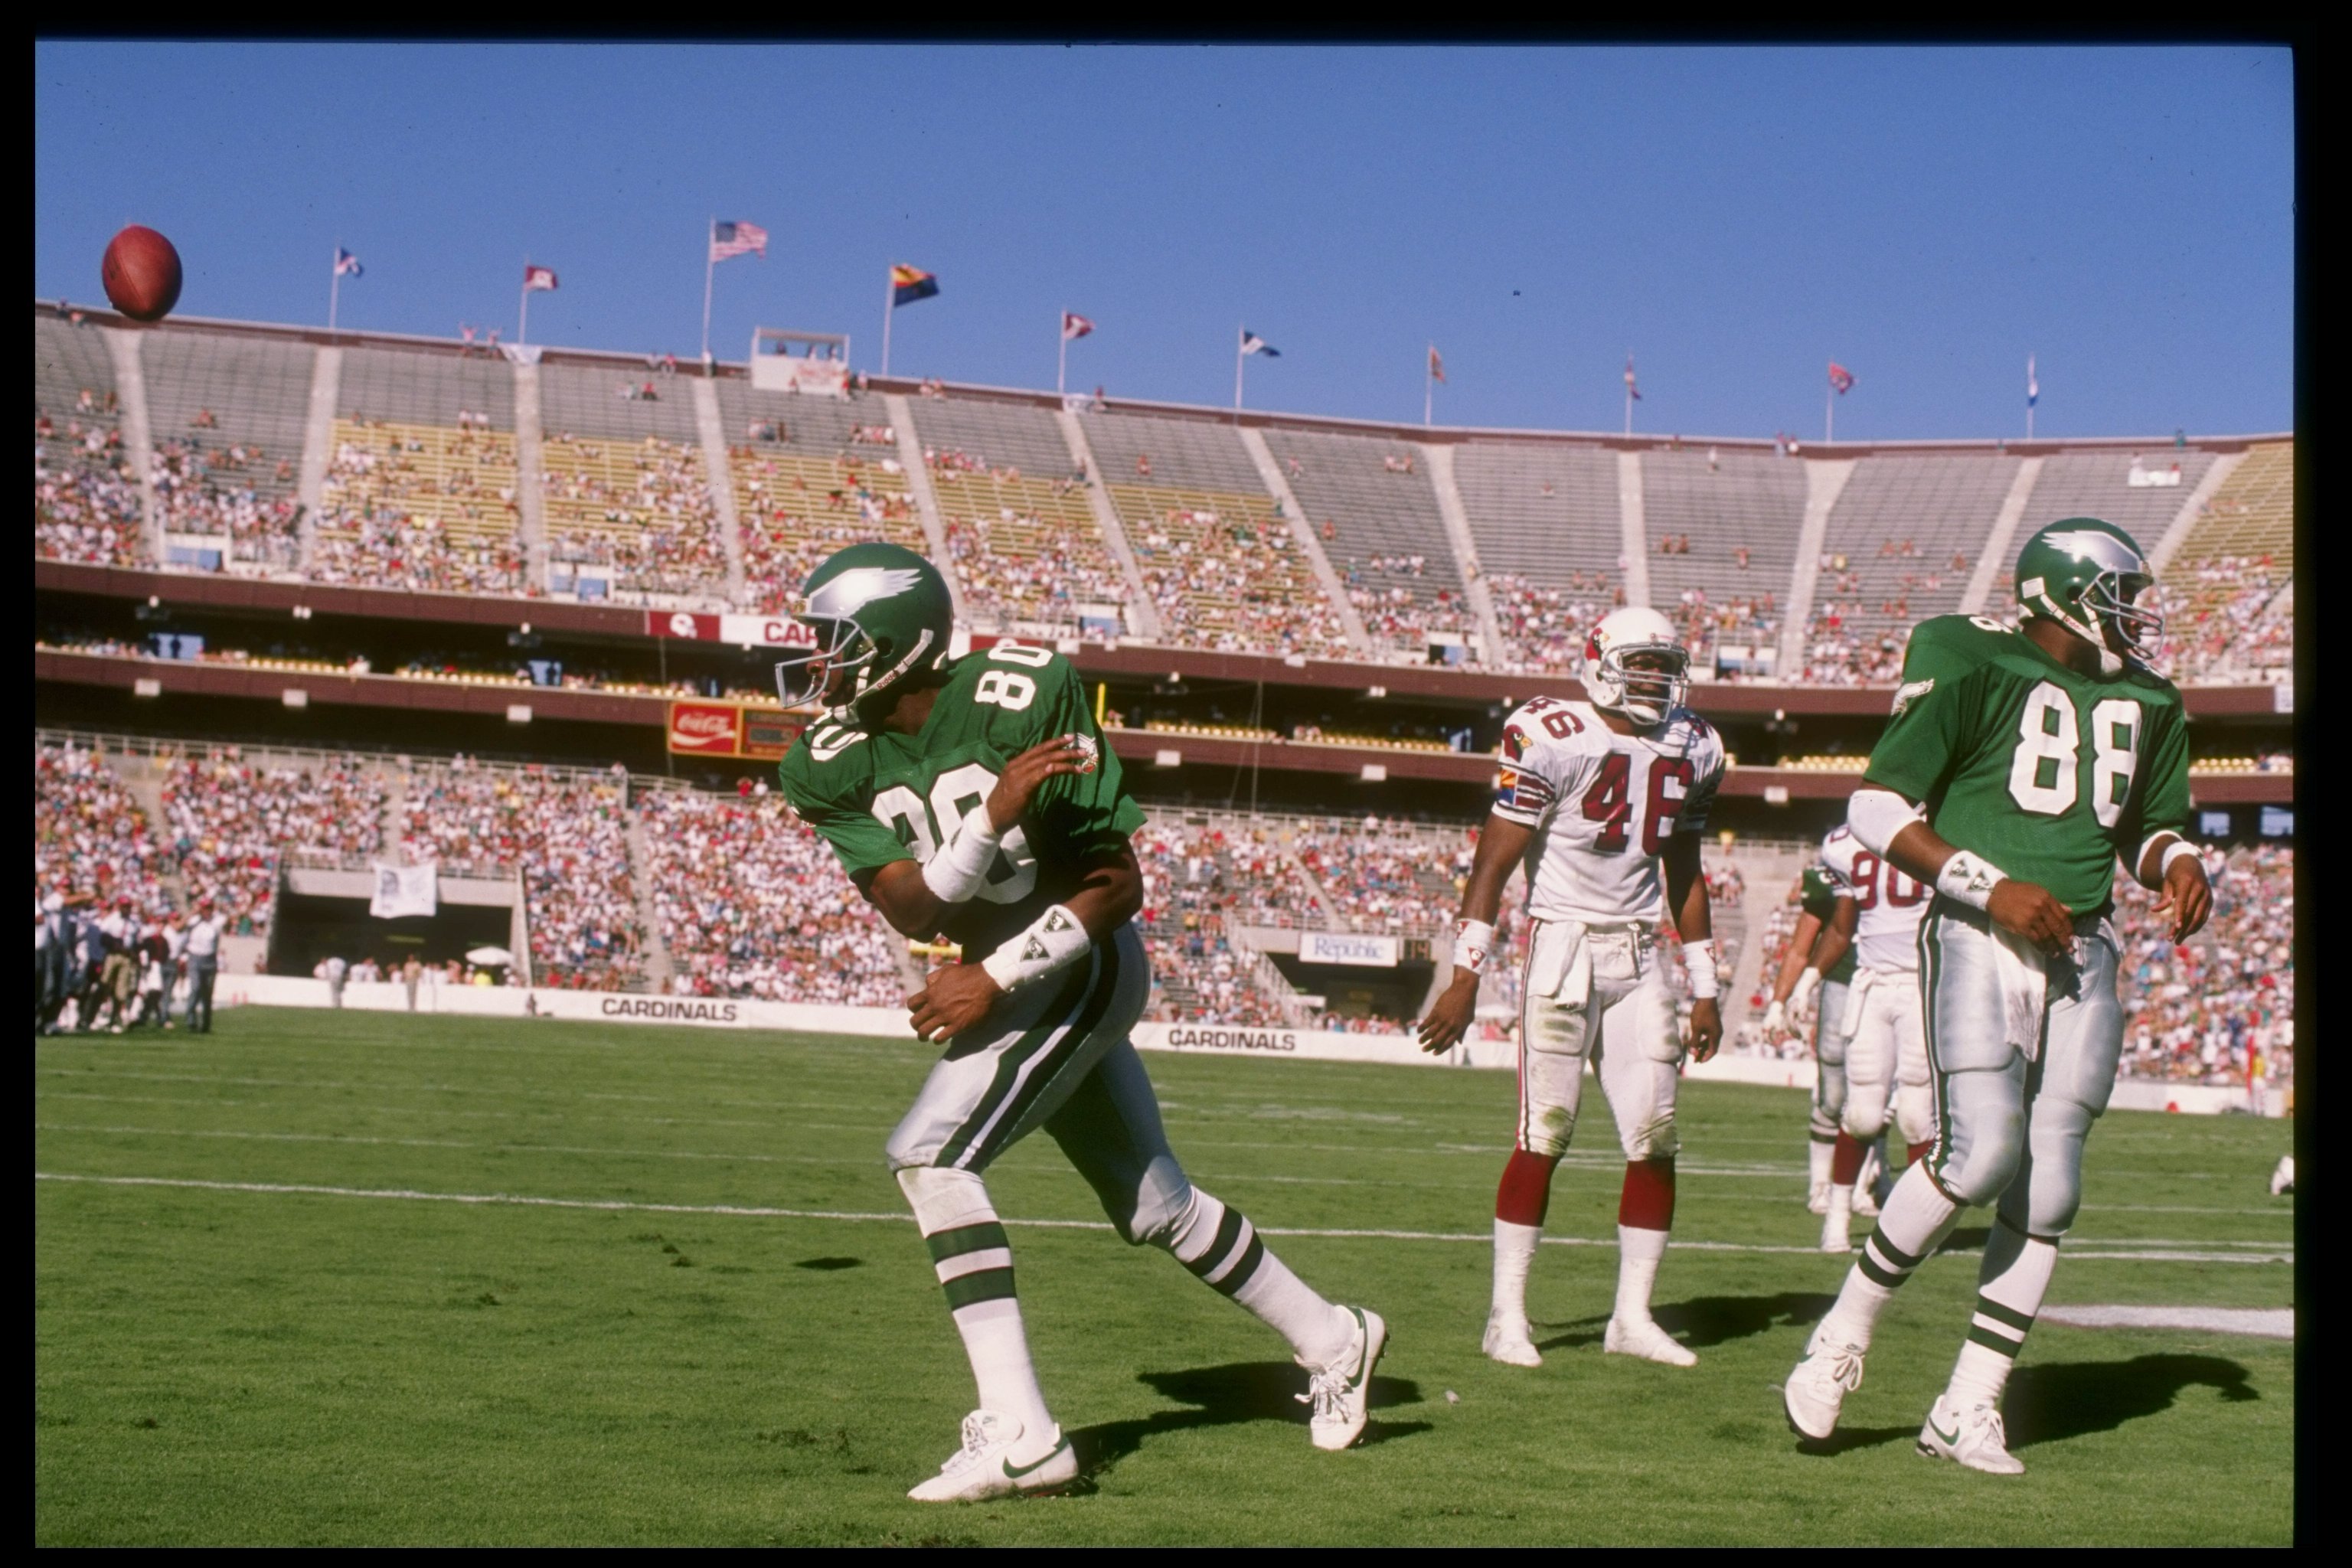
x=1736 y=217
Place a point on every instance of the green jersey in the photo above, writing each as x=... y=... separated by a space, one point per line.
x=2048 y=773
x=1818 y=900
x=879 y=796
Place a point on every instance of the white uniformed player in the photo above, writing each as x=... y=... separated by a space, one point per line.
x=1886 y=1042
x=1818 y=965
x=1602 y=800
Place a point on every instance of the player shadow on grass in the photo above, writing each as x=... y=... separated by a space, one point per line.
x=1705 y=1321
x=1229 y=1395
x=2049 y=1403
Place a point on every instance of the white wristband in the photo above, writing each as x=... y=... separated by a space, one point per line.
x=1807 y=979
x=1054 y=940
x=959 y=867
x=1473 y=941
x=2174 y=851
x=1699 y=957
x=1966 y=880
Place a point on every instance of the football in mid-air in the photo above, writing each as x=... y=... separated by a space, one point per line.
x=141 y=274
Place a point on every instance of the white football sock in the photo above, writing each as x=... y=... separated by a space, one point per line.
x=974 y=1265
x=1840 y=1218
x=1514 y=1251
x=1221 y=1247
x=1818 y=1154
x=1638 y=1252
x=1917 y=1218
x=2009 y=1288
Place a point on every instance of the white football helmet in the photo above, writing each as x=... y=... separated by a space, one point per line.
x=1644 y=695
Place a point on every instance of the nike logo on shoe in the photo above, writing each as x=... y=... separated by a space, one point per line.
x=1951 y=1437
x=1014 y=1472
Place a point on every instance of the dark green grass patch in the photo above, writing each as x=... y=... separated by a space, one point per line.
x=220 y=1365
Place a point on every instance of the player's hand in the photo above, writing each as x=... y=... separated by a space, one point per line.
x=952 y=1000
x=1803 y=991
x=1449 y=1020
x=1028 y=773
x=2188 y=895
x=1706 y=1028
x=2022 y=909
x=1775 y=1021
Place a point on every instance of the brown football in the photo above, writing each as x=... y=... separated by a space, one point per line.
x=141 y=274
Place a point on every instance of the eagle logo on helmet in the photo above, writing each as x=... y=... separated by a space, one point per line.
x=878 y=616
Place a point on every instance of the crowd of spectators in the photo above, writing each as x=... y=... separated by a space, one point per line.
x=390 y=495
x=790 y=526
x=2218 y=621
x=644 y=512
x=1839 y=651
x=1029 y=568
x=1235 y=581
x=567 y=832
x=1545 y=628
x=2221 y=1004
x=1709 y=625
x=1194 y=880
x=89 y=837
x=231 y=822
x=210 y=489
x=1396 y=617
x=1387 y=876
x=752 y=903
x=86 y=504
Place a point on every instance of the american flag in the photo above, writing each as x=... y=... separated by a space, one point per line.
x=1632 y=391
x=1436 y=365
x=735 y=238
x=346 y=264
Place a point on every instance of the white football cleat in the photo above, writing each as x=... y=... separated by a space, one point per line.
x=1973 y=1437
x=1837 y=1234
x=1646 y=1339
x=1817 y=1385
x=1508 y=1341
x=1339 y=1392
x=1818 y=1199
x=990 y=1462
x=2283 y=1176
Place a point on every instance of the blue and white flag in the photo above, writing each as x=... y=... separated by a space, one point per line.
x=1254 y=344
x=2032 y=387
x=346 y=264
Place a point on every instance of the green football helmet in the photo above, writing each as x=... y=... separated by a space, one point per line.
x=880 y=614
x=2091 y=577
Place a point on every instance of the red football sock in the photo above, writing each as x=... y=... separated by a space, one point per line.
x=1845 y=1160
x=1647 y=1202
x=1917 y=1151
x=1526 y=1191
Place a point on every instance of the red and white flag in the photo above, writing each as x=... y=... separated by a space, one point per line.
x=538 y=277
x=1436 y=365
x=1840 y=378
x=1075 y=326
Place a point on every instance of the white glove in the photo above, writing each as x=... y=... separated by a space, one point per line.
x=1775 y=1021
x=1803 y=989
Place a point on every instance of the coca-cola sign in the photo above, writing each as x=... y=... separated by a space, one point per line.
x=704 y=727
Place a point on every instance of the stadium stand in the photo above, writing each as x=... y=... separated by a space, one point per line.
x=1223 y=569
x=86 y=500
x=1022 y=538
x=566 y=831
x=2195 y=1013
x=232 y=821
x=750 y=903
x=1901 y=539
x=90 y=837
x=1202 y=871
x=2225 y=616
x=627 y=488
x=1546 y=520
x=1384 y=535
x=226 y=417
x=1386 y=877
x=811 y=475
x=2140 y=492
x=1723 y=529
x=423 y=492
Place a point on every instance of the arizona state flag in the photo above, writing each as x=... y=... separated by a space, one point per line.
x=908 y=284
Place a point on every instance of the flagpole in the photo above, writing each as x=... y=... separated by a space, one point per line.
x=335 y=287
x=1239 y=331
x=1629 y=392
x=889 y=293
x=522 y=326
x=2032 y=391
x=709 y=265
x=1828 y=413
x=1062 y=356
x=1428 y=386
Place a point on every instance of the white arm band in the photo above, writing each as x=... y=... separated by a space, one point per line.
x=1473 y=941
x=959 y=867
x=2173 y=851
x=1968 y=879
x=1706 y=984
x=1054 y=940
x=1877 y=816
x=2180 y=847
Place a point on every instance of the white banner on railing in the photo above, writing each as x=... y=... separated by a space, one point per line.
x=1344 y=947
x=404 y=891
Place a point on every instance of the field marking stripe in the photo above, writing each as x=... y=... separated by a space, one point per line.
x=748 y=1210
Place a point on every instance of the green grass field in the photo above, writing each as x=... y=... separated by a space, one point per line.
x=217 y=1363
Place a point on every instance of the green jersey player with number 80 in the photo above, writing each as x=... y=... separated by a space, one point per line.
x=975 y=798
x=2017 y=767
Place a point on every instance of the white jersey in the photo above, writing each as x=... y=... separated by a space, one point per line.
x=1603 y=805
x=1887 y=934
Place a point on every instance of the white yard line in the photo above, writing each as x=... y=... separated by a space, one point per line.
x=406 y=1195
